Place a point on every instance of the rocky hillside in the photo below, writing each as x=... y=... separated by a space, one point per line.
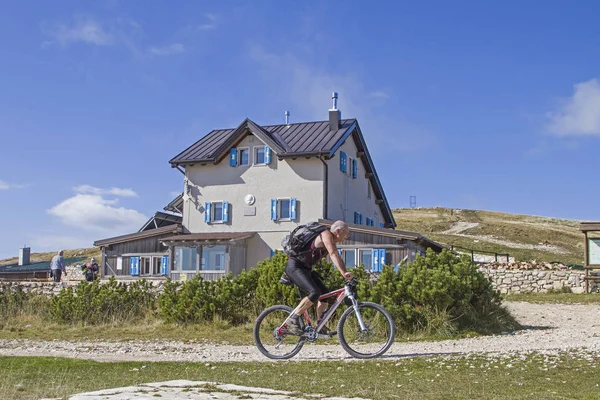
x=524 y=237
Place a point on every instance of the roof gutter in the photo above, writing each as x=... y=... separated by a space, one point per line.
x=193 y=162
x=303 y=154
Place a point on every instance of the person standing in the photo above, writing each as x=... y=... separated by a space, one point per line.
x=57 y=266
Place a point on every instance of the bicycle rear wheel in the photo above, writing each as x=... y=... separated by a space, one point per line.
x=269 y=342
x=375 y=340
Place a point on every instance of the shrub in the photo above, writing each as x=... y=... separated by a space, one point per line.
x=197 y=300
x=95 y=303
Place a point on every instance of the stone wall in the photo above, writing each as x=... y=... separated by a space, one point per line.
x=533 y=277
x=52 y=288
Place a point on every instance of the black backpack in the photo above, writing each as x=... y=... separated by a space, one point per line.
x=295 y=242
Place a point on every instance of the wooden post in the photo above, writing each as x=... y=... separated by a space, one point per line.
x=586 y=262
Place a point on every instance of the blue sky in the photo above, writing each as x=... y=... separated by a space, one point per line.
x=467 y=105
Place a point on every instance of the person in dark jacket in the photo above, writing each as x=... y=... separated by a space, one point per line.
x=90 y=270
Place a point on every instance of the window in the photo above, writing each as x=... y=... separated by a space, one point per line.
x=213 y=258
x=186 y=258
x=145 y=265
x=156 y=265
x=351 y=164
x=366 y=258
x=259 y=155
x=349 y=257
x=283 y=209
x=216 y=212
x=244 y=156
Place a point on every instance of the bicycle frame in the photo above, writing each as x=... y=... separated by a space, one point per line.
x=341 y=295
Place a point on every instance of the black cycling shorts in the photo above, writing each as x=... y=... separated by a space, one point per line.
x=306 y=279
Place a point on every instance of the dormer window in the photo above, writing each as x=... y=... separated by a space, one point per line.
x=239 y=157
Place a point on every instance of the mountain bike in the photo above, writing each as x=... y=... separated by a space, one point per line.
x=365 y=330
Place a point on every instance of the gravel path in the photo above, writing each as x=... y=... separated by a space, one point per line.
x=551 y=327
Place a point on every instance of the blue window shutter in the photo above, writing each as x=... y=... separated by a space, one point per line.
x=134 y=266
x=272 y=253
x=381 y=259
x=355 y=217
x=207 y=212
x=293 y=208
x=343 y=161
x=233 y=157
x=354 y=169
x=267 y=155
x=164 y=265
x=360 y=219
x=376 y=267
x=381 y=225
x=273 y=209
x=225 y=211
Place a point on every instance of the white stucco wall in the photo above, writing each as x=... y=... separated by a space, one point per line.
x=347 y=193
x=301 y=178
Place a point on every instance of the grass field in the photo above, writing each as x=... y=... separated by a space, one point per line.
x=515 y=232
x=534 y=376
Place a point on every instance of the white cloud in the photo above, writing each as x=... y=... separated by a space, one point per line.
x=83 y=30
x=7 y=186
x=92 y=212
x=210 y=24
x=175 y=48
x=88 y=189
x=308 y=93
x=579 y=114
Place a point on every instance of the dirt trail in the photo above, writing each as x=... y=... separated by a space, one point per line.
x=551 y=327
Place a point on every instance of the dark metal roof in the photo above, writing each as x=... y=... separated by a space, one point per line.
x=287 y=141
x=284 y=140
x=176 y=205
x=161 y=219
x=208 y=236
x=176 y=228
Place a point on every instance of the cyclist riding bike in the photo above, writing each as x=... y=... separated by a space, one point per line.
x=301 y=273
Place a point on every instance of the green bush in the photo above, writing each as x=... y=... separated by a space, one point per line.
x=442 y=294
x=12 y=300
x=197 y=300
x=95 y=303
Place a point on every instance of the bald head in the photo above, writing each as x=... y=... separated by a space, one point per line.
x=340 y=230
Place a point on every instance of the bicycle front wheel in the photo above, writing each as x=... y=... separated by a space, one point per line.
x=272 y=343
x=369 y=343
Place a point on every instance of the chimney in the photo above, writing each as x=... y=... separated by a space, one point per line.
x=287 y=117
x=335 y=115
x=24 y=255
